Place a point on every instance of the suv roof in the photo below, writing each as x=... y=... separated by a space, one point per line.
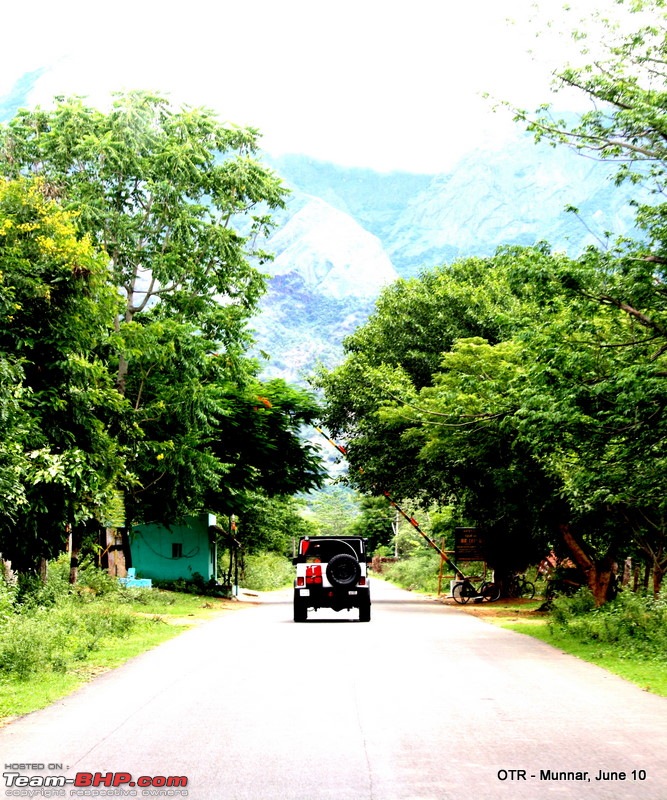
x=324 y=547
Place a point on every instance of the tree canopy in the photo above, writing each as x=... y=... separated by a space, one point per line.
x=529 y=389
x=130 y=264
x=547 y=433
x=62 y=406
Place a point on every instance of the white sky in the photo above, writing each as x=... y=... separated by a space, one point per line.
x=387 y=84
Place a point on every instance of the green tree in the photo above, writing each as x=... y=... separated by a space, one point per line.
x=166 y=194
x=552 y=418
x=272 y=524
x=13 y=459
x=333 y=510
x=627 y=126
x=376 y=522
x=178 y=203
x=625 y=83
x=533 y=436
x=58 y=307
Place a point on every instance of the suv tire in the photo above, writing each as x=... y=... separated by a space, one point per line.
x=365 y=610
x=300 y=610
x=343 y=570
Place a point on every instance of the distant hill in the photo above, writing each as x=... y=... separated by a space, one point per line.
x=347 y=232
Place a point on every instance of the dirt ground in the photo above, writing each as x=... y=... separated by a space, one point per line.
x=505 y=610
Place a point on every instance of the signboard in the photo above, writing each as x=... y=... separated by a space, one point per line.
x=468 y=545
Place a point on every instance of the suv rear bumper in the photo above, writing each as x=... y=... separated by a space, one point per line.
x=331 y=597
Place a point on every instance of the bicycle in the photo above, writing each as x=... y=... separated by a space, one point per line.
x=464 y=590
x=519 y=586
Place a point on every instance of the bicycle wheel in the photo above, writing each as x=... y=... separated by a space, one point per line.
x=527 y=590
x=489 y=591
x=461 y=592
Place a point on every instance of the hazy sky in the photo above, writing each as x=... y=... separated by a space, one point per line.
x=387 y=84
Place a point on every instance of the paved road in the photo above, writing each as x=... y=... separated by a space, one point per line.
x=423 y=703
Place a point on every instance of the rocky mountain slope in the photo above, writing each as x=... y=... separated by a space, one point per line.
x=346 y=233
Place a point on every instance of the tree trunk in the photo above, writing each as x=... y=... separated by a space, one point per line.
x=599 y=574
x=116 y=559
x=75 y=541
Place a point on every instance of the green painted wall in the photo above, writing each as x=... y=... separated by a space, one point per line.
x=176 y=551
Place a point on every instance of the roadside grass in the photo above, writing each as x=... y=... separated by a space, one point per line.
x=648 y=670
x=647 y=674
x=49 y=652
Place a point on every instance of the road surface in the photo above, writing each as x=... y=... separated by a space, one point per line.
x=424 y=702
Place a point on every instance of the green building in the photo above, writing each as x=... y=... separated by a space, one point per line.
x=179 y=550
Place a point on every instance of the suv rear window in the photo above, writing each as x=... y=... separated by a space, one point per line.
x=321 y=549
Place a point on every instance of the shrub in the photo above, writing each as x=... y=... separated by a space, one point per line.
x=43 y=638
x=265 y=572
x=420 y=572
x=8 y=592
x=564 y=609
x=95 y=581
x=632 y=623
x=195 y=585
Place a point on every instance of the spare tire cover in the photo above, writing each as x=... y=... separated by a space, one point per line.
x=343 y=570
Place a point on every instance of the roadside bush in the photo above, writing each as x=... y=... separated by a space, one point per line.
x=418 y=573
x=195 y=585
x=95 y=581
x=8 y=593
x=634 y=624
x=565 y=609
x=145 y=597
x=49 y=638
x=32 y=593
x=266 y=572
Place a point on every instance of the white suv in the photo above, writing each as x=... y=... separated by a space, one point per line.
x=331 y=572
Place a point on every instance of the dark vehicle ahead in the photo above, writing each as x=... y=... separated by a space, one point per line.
x=331 y=572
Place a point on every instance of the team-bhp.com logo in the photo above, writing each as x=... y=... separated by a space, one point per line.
x=94 y=784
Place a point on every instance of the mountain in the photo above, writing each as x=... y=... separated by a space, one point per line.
x=331 y=251
x=326 y=274
x=346 y=233
x=515 y=196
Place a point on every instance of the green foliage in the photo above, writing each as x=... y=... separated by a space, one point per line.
x=197 y=585
x=265 y=572
x=626 y=87
x=272 y=524
x=418 y=573
x=53 y=627
x=556 y=420
x=61 y=458
x=164 y=191
x=13 y=458
x=8 y=592
x=53 y=638
x=375 y=522
x=635 y=625
x=333 y=510
x=154 y=236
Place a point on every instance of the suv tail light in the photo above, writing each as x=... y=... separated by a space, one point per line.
x=362 y=581
x=300 y=581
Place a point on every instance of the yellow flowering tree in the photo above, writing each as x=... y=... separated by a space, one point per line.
x=59 y=406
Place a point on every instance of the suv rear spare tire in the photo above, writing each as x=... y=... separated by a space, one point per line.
x=343 y=570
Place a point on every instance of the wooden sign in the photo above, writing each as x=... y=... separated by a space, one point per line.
x=468 y=545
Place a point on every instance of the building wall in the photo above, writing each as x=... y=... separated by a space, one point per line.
x=175 y=551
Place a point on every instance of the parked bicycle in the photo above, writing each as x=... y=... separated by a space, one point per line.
x=519 y=586
x=465 y=590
